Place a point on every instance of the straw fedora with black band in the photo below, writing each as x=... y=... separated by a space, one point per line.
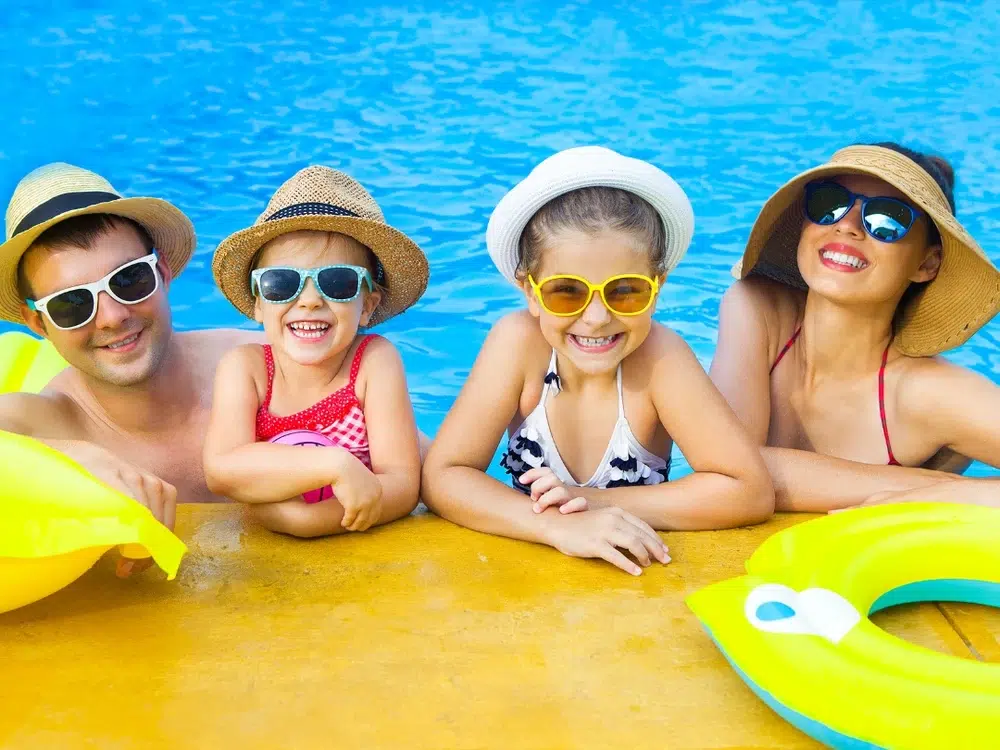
x=56 y=192
x=325 y=200
x=963 y=297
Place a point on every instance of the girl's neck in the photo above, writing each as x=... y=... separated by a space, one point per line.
x=844 y=340
x=310 y=379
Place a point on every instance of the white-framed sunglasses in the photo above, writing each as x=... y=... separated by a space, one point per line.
x=128 y=284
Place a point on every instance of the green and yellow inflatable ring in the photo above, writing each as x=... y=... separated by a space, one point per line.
x=796 y=627
x=56 y=520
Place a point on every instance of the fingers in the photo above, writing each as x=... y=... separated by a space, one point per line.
x=169 y=505
x=576 y=505
x=619 y=560
x=650 y=539
x=533 y=475
x=628 y=538
x=544 y=485
x=350 y=515
x=556 y=496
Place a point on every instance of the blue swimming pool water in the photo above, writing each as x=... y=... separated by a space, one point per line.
x=438 y=108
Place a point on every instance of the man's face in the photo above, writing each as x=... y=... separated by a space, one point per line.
x=123 y=345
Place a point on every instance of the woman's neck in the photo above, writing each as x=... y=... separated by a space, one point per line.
x=844 y=340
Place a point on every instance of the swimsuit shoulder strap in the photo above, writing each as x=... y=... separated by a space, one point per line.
x=881 y=406
x=551 y=377
x=785 y=349
x=356 y=362
x=621 y=400
x=269 y=364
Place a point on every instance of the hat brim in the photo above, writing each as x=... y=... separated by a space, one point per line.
x=172 y=233
x=405 y=267
x=517 y=207
x=962 y=298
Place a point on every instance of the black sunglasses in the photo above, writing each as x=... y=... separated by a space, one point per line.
x=885 y=219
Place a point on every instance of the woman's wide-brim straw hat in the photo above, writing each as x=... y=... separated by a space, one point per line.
x=56 y=192
x=326 y=200
x=963 y=297
x=580 y=167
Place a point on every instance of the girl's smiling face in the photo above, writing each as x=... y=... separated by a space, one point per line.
x=311 y=329
x=596 y=340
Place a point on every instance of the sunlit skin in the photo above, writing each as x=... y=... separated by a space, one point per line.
x=309 y=366
x=663 y=387
x=816 y=416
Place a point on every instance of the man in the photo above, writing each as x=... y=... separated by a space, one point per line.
x=89 y=270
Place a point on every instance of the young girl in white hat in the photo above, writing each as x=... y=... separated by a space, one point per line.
x=592 y=391
x=316 y=266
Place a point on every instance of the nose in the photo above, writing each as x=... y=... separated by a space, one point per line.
x=851 y=222
x=595 y=313
x=111 y=313
x=310 y=298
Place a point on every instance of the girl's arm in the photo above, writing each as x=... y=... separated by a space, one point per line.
x=730 y=485
x=968 y=491
x=242 y=469
x=456 y=487
x=392 y=430
x=803 y=480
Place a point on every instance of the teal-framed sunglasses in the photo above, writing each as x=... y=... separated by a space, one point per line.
x=337 y=283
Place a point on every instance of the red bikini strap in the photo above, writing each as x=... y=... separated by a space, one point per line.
x=788 y=346
x=881 y=407
x=356 y=363
x=269 y=364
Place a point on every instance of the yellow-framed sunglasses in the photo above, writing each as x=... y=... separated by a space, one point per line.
x=565 y=295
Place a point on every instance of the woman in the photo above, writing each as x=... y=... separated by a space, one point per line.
x=855 y=276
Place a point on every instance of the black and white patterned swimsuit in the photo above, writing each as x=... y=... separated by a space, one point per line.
x=625 y=463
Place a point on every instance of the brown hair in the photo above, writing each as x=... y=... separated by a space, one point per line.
x=81 y=232
x=592 y=209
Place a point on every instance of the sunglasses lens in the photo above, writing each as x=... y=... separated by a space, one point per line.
x=133 y=283
x=565 y=296
x=887 y=219
x=628 y=295
x=339 y=283
x=279 y=284
x=827 y=203
x=71 y=309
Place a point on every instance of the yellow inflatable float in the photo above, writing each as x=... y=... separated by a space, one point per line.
x=55 y=519
x=796 y=627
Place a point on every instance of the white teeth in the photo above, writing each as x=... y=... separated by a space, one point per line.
x=123 y=342
x=844 y=259
x=594 y=342
x=307 y=330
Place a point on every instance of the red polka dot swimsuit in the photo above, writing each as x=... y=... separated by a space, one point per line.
x=338 y=416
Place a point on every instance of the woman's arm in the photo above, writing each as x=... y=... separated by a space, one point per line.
x=730 y=485
x=968 y=491
x=803 y=480
x=392 y=430
x=456 y=487
x=242 y=469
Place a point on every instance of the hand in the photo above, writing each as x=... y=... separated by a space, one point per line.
x=604 y=533
x=159 y=497
x=548 y=491
x=359 y=491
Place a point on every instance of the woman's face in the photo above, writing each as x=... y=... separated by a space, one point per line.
x=842 y=262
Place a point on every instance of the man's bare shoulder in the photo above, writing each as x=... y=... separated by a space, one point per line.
x=51 y=414
x=221 y=338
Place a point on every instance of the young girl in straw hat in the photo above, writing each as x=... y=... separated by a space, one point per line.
x=855 y=276
x=318 y=264
x=590 y=389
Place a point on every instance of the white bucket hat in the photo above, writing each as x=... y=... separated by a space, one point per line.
x=580 y=167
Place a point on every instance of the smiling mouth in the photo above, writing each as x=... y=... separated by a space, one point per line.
x=595 y=344
x=843 y=259
x=123 y=344
x=309 y=331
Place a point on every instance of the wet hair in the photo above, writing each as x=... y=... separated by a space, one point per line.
x=81 y=232
x=592 y=209
x=939 y=169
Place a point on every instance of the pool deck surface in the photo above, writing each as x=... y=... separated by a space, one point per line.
x=415 y=635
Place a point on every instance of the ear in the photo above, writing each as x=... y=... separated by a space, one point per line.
x=929 y=268
x=258 y=314
x=165 y=273
x=534 y=307
x=33 y=319
x=371 y=303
